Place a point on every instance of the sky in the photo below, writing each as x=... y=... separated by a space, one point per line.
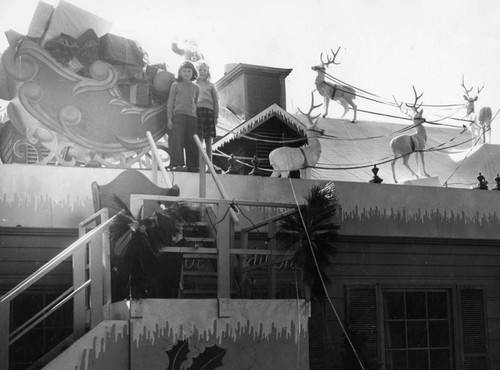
x=386 y=46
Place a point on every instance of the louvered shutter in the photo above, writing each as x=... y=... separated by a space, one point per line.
x=316 y=337
x=362 y=326
x=473 y=329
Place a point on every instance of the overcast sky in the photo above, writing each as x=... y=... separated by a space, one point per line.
x=386 y=45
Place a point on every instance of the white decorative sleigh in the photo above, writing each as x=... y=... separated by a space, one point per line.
x=78 y=119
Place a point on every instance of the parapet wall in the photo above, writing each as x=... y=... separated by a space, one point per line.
x=56 y=196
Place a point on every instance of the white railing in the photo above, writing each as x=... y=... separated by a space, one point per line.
x=91 y=290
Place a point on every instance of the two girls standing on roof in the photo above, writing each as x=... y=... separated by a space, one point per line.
x=182 y=120
x=191 y=108
x=208 y=107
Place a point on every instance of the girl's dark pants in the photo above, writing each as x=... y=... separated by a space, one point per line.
x=180 y=138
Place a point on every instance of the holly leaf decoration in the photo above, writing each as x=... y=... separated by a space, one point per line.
x=210 y=359
x=177 y=355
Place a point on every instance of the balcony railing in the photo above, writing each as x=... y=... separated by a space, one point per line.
x=234 y=251
x=90 y=291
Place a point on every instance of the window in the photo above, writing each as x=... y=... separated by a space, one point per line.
x=417 y=327
x=413 y=328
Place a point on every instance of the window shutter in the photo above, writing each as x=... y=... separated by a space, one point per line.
x=316 y=337
x=473 y=329
x=362 y=326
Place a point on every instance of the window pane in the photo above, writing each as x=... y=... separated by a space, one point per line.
x=415 y=305
x=438 y=334
x=418 y=360
x=396 y=360
x=394 y=305
x=396 y=336
x=440 y=359
x=417 y=334
x=437 y=305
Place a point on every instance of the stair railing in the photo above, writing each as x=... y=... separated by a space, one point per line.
x=157 y=162
x=225 y=234
x=90 y=291
x=205 y=160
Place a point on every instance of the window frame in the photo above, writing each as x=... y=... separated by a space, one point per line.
x=456 y=319
x=449 y=290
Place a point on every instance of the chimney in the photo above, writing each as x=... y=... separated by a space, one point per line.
x=247 y=89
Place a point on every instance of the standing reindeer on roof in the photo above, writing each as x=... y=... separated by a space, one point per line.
x=480 y=124
x=286 y=159
x=404 y=145
x=345 y=95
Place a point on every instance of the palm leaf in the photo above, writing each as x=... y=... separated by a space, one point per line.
x=137 y=242
x=311 y=235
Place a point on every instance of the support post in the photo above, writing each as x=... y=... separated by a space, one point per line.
x=96 y=281
x=4 y=334
x=80 y=298
x=271 y=233
x=106 y=267
x=223 y=245
x=203 y=174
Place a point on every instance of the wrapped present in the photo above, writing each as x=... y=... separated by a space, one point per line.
x=162 y=82
x=153 y=69
x=137 y=94
x=129 y=73
x=88 y=50
x=63 y=48
x=40 y=21
x=120 y=50
x=74 y=21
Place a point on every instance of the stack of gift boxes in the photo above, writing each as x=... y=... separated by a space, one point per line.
x=77 y=38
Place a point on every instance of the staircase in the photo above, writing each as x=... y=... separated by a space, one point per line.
x=199 y=271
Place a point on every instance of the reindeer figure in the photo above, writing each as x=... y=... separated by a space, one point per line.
x=404 y=145
x=286 y=159
x=343 y=94
x=480 y=124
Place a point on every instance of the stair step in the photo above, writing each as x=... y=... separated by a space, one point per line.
x=200 y=273
x=197 y=239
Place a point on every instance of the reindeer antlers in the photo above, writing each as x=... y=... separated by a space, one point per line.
x=413 y=106
x=313 y=107
x=467 y=91
x=328 y=59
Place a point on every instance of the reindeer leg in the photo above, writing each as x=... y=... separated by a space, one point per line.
x=327 y=102
x=344 y=105
x=405 y=163
x=422 y=165
x=393 y=171
x=275 y=173
x=284 y=174
x=355 y=109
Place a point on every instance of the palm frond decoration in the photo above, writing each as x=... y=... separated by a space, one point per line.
x=137 y=242
x=311 y=235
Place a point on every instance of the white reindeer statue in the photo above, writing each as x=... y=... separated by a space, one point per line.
x=404 y=145
x=480 y=124
x=345 y=95
x=286 y=159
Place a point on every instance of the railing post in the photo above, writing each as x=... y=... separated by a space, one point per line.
x=223 y=245
x=271 y=233
x=96 y=281
x=154 y=169
x=203 y=174
x=4 y=334
x=79 y=277
x=106 y=266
